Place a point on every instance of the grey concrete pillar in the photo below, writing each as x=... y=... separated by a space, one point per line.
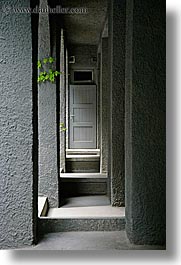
x=116 y=28
x=18 y=190
x=104 y=97
x=62 y=100
x=67 y=99
x=98 y=101
x=48 y=170
x=145 y=122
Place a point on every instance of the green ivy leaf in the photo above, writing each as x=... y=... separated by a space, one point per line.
x=62 y=127
x=51 y=60
x=51 y=77
x=45 y=60
x=57 y=73
x=42 y=77
x=46 y=76
x=39 y=65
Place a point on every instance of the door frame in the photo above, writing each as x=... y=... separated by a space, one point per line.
x=69 y=110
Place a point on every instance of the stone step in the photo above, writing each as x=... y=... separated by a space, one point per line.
x=82 y=158
x=74 y=184
x=98 y=211
x=83 y=218
x=53 y=225
x=82 y=152
x=82 y=176
x=83 y=164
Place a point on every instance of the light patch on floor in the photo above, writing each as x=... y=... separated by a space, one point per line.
x=81 y=212
x=85 y=201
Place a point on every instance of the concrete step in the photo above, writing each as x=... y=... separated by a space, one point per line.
x=81 y=176
x=82 y=152
x=53 y=225
x=83 y=158
x=86 y=201
x=74 y=217
x=74 y=184
x=104 y=211
x=83 y=164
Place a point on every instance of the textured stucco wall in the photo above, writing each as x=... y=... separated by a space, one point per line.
x=104 y=96
x=62 y=98
x=16 y=129
x=116 y=28
x=84 y=28
x=47 y=121
x=145 y=122
x=98 y=100
x=67 y=95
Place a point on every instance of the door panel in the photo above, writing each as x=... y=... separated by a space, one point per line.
x=82 y=116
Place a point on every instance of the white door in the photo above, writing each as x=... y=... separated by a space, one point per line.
x=82 y=116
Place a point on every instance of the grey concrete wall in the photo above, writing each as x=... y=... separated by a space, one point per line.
x=84 y=55
x=67 y=97
x=116 y=104
x=98 y=100
x=104 y=97
x=17 y=190
x=145 y=122
x=62 y=99
x=47 y=120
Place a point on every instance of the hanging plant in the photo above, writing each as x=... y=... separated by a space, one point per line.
x=49 y=74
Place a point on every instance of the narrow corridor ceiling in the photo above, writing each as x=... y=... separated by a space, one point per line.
x=85 y=29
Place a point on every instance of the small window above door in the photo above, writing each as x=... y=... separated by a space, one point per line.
x=82 y=76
